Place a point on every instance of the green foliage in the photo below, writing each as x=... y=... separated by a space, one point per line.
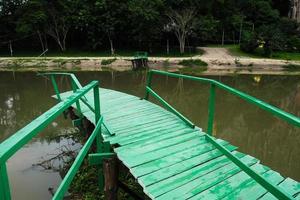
x=250 y=42
x=193 y=63
x=143 y=25
x=107 y=61
x=292 y=67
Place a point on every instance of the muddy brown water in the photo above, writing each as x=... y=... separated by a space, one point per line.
x=24 y=96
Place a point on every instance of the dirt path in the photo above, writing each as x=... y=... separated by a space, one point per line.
x=212 y=53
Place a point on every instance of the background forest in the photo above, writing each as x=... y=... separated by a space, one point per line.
x=156 y=25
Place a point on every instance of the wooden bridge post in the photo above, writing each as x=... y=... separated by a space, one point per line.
x=111 y=173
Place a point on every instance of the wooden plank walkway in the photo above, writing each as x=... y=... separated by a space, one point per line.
x=171 y=160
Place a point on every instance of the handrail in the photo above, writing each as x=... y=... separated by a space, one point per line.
x=273 y=189
x=76 y=85
x=21 y=137
x=188 y=122
x=11 y=145
x=276 y=191
x=73 y=77
x=63 y=187
x=292 y=119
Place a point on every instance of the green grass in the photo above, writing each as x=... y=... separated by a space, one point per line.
x=259 y=53
x=193 y=67
x=101 y=53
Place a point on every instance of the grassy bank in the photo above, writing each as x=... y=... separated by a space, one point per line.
x=193 y=66
x=280 y=55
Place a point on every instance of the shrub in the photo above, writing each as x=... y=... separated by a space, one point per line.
x=193 y=63
x=249 y=43
x=107 y=61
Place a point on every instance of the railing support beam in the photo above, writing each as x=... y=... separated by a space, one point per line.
x=4 y=183
x=74 y=88
x=211 y=109
x=56 y=90
x=149 y=83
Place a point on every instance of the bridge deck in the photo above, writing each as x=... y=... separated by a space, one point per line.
x=170 y=160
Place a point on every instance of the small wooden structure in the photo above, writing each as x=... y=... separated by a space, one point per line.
x=140 y=60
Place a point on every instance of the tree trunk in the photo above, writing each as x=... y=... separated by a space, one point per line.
x=295 y=10
x=240 y=36
x=46 y=41
x=10 y=48
x=181 y=40
x=168 y=47
x=41 y=40
x=223 y=36
x=112 y=50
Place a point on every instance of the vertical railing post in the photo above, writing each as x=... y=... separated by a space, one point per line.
x=211 y=108
x=55 y=87
x=99 y=139
x=149 y=82
x=4 y=183
x=74 y=87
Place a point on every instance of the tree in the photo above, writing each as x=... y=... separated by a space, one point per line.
x=32 y=19
x=206 y=28
x=109 y=18
x=146 y=21
x=181 y=22
x=58 y=22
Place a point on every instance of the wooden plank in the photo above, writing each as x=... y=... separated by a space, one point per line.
x=179 y=167
x=114 y=105
x=145 y=142
x=147 y=157
x=141 y=135
x=132 y=113
x=167 y=161
x=208 y=180
x=146 y=116
x=224 y=188
x=121 y=102
x=142 y=128
x=176 y=181
x=289 y=185
x=253 y=190
x=147 y=125
x=135 y=151
x=144 y=136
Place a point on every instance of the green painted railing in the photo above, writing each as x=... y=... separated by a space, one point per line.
x=75 y=86
x=292 y=119
x=276 y=191
x=10 y=146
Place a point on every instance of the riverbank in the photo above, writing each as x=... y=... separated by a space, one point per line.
x=219 y=61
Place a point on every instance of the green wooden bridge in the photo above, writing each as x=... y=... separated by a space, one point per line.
x=169 y=156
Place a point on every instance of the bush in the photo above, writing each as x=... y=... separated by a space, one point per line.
x=193 y=63
x=293 y=44
x=249 y=43
x=107 y=61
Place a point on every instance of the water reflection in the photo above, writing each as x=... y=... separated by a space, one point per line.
x=24 y=96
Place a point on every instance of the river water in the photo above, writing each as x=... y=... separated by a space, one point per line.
x=24 y=96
